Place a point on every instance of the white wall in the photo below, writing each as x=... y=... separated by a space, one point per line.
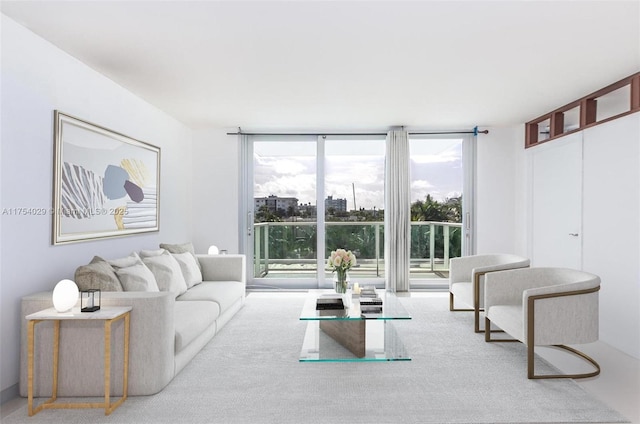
x=216 y=188
x=500 y=159
x=498 y=171
x=38 y=78
x=607 y=201
x=611 y=226
x=611 y=214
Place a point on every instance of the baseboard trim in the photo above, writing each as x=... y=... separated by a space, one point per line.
x=9 y=393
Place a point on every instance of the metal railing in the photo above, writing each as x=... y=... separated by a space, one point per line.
x=289 y=248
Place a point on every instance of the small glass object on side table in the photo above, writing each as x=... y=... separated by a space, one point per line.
x=349 y=335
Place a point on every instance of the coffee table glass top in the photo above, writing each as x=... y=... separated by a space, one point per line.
x=391 y=308
x=352 y=336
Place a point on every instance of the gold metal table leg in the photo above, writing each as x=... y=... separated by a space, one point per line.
x=31 y=329
x=108 y=406
x=107 y=365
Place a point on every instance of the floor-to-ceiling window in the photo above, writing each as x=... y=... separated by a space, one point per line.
x=308 y=195
x=437 y=185
x=354 y=203
x=283 y=211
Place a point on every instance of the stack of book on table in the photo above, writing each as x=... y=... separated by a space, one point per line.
x=369 y=301
x=329 y=301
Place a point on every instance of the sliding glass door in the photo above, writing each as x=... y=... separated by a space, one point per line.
x=306 y=195
x=437 y=186
x=354 y=204
x=282 y=227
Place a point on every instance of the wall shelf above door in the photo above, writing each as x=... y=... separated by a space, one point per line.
x=611 y=102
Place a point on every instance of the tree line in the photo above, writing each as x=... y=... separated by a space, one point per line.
x=299 y=241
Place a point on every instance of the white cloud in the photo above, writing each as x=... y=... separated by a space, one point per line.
x=288 y=167
x=436 y=169
x=423 y=159
x=302 y=186
x=421 y=185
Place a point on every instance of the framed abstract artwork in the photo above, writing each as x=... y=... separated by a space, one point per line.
x=105 y=184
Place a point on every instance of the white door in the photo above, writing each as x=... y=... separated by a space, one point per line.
x=557 y=203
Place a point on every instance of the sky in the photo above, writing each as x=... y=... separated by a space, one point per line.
x=288 y=169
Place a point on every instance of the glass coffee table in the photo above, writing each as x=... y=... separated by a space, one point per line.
x=349 y=335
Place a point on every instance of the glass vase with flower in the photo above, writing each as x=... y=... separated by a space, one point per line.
x=340 y=261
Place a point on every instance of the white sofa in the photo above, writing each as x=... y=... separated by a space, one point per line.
x=166 y=332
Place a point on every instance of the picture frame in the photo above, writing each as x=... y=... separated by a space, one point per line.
x=105 y=184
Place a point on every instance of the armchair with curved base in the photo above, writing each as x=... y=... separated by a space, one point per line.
x=544 y=307
x=466 y=279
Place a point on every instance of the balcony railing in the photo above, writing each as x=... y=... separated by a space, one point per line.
x=288 y=249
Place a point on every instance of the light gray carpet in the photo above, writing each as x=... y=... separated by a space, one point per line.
x=250 y=373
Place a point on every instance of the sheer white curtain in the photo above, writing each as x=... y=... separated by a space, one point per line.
x=397 y=217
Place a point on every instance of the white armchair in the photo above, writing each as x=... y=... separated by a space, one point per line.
x=544 y=307
x=466 y=279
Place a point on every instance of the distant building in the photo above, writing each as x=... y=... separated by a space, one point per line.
x=276 y=203
x=307 y=210
x=338 y=205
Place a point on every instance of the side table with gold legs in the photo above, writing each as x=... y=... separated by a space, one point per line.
x=107 y=314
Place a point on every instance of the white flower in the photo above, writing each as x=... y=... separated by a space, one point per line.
x=341 y=259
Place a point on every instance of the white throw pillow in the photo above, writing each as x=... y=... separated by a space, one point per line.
x=130 y=260
x=148 y=253
x=181 y=248
x=190 y=270
x=166 y=270
x=137 y=278
x=134 y=274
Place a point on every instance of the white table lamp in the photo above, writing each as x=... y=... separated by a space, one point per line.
x=213 y=250
x=65 y=295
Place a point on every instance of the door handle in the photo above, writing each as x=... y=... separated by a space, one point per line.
x=573 y=234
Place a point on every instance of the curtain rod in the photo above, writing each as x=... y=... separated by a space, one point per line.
x=475 y=131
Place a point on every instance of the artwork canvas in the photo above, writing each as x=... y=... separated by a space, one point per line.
x=105 y=184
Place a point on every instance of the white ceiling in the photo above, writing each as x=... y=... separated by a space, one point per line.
x=347 y=65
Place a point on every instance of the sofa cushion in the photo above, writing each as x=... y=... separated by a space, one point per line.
x=191 y=319
x=166 y=270
x=130 y=260
x=181 y=248
x=463 y=293
x=190 y=269
x=511 y=319
x=98 y=274
x=224 y=293
x=155 y=252
x=134 y=274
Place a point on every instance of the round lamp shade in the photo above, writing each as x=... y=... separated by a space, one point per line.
x=213 y=250
x=65 y=295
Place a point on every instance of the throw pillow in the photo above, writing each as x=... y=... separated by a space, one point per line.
x=134 y=274
x=181 y=248
x=148 y=253
x=130 y=260
x=166 y=270
x=190 y=270
x=98 y=274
